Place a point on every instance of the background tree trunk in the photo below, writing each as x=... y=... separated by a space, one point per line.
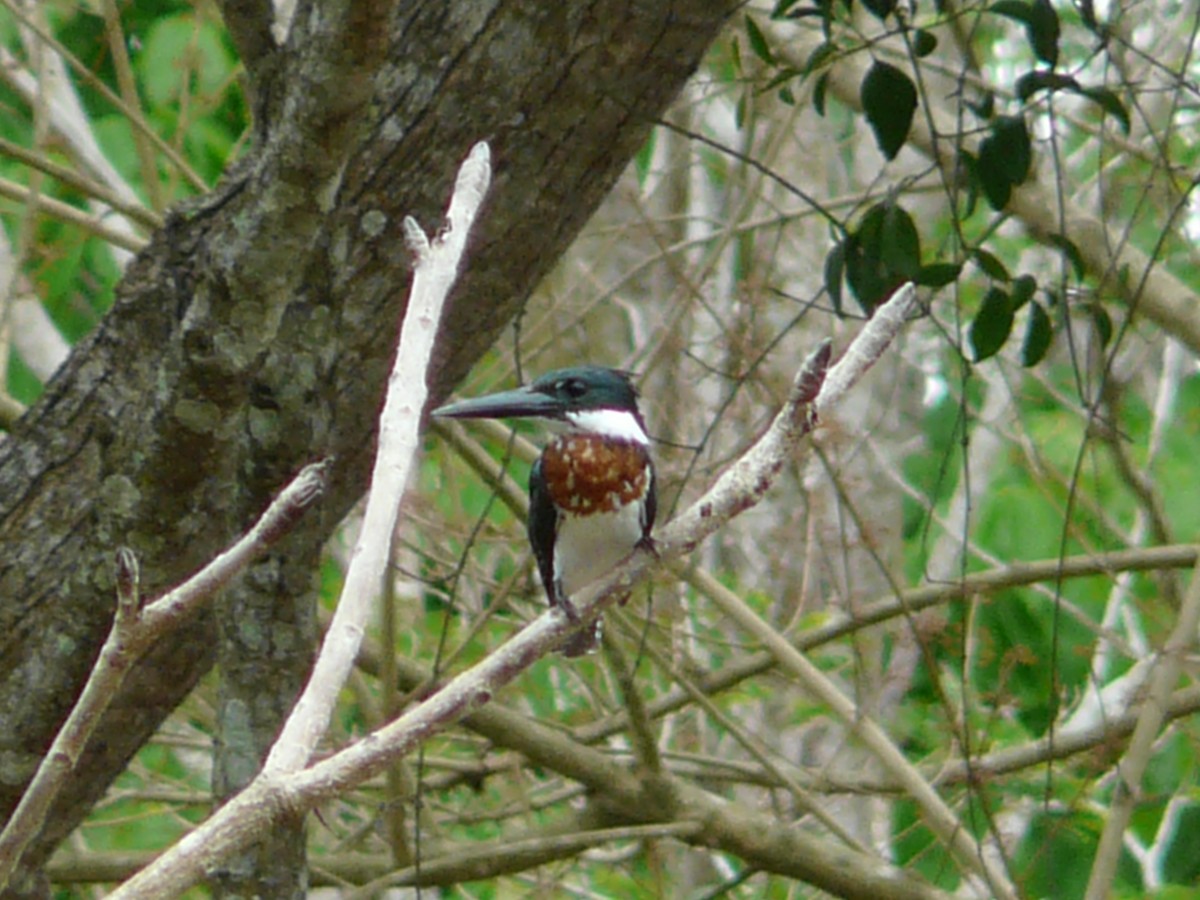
x=252 y=334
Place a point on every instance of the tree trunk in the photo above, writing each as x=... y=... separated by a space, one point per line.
x=253 y=333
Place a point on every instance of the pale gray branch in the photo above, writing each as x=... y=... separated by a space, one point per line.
x=436 y=266
x=133 y=631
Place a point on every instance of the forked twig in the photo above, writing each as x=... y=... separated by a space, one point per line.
x=134 y=631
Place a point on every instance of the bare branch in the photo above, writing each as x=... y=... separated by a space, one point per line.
x=133 y=632
x=436 y=266
x=124 y=237
x=912 y=601
x=937 y=813
x=867 y=347
x=1154 y=710
x=119 y=201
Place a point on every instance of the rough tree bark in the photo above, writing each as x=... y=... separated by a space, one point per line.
x=253 y=333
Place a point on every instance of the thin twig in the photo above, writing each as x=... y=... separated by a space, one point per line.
x=85 y=185
x=129 y=93
x=64 y=212
x=136 y=121
x=937 y=813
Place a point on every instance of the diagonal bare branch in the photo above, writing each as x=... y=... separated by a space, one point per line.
x=133 y=631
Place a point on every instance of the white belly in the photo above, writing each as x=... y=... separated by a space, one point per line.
x=589 y=547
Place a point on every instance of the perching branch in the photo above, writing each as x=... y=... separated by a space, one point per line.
x=281 y=790
x=134 y=630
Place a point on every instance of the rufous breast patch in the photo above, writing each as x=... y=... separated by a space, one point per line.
x=587 y=473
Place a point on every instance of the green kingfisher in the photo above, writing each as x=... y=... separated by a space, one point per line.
x=591 y=492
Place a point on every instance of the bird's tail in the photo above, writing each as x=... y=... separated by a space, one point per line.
x=582 y=642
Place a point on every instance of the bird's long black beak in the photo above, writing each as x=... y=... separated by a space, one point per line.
x=516 y=403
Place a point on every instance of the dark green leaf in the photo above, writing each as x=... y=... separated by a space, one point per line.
x=1103 y=323
x=1042 y=80
x=1067 y=246
x=996 y=186
x=819 y=88
x=1043 y=29
x=992 y=325
x=1041 y=25
x=740 y=110
x=1110 y=103
x=937 y=275
x=1087 y=12
x=900 y=244
x=833 y=275
x=862 y=274
x=1038 y=335
x=986 y=107
x=735 y=53
x=782 y=8
x=881 y=9
x=971 y=198
x=823 y=10
x=1005 y=156
x=1012 y=9
x=827 y=18
x=924 y=42
x=1023 y=289
x=1014 y=149
x=991 y=265
x=870 y=228
x=889 y=99
x=758 y=42
x=786 y=96
x=883 y=252
x=863 y=259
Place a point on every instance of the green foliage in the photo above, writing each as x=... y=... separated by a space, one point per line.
x=882 y=253
x=1005 y=156
x=182 y=55
x=992 y=324
x=889 y=99
x=1038 y=335
x=1055 y=856
x=1041 y=25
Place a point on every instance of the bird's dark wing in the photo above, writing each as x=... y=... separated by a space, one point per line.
x=542 y=527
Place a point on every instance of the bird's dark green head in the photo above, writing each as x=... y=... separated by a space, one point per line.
x=588 y=398
x=588 y=387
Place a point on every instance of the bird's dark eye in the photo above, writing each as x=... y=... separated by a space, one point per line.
x=572 y=387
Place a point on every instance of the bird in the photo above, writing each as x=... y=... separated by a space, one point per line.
x=592 y=495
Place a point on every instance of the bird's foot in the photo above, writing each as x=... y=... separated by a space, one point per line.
x=646 y=542
x=582 y=642
x=568 y=608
